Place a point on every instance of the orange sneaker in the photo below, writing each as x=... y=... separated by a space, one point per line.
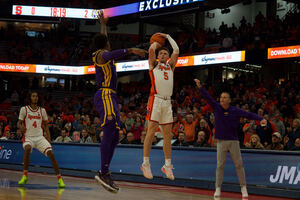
x=167 y=170
x=147 y=171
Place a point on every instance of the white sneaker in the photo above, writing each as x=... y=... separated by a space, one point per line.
x=217 y=192
x=244 y=191
x=147 y=171
x=167 y=170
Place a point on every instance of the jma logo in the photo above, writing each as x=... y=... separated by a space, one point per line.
x=291 y=174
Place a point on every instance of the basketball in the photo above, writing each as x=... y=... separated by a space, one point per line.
x=157 y=38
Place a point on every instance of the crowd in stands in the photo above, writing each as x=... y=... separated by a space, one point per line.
x=264 y=33
x=60 y=46
x=53 y=47
x=75 y=119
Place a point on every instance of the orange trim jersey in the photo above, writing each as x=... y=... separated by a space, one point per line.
x=162 y=79
x=159 y=104
x=33 y=120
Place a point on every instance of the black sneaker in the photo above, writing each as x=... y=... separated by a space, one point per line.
x=106 y=181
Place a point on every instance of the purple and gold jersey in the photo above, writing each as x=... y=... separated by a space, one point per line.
x=106 y=74
x=106 y=99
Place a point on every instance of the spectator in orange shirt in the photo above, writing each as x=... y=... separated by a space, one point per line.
x=249 y=129
x=189 y=127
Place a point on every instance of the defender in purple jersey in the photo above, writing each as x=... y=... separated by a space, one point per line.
x=105 y=99
x=226 y=132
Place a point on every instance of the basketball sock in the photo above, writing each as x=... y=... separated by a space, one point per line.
x=107 y=146
x=168 y=162
x=58 y=176
x=146 y=161
x=115 y=142
x=25 y=172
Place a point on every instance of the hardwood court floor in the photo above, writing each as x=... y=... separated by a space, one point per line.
x=44 y=187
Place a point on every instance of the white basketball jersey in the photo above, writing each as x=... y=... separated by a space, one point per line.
x=33 y=120
x=162 y=80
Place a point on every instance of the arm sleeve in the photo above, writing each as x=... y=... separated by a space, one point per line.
x=44 y=114
x=22 y=114
x=109 y=55
x=208 y=98
x=248 y=115
x=173 y=44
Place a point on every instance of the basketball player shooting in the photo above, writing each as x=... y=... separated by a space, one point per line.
x=31 y=120
x=159 y=104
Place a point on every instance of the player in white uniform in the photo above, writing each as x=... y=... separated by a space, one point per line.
x=32 y=122
x=159 y=104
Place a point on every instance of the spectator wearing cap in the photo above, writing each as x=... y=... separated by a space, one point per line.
x=276 y=145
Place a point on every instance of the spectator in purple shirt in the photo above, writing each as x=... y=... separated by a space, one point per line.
x=226 y=132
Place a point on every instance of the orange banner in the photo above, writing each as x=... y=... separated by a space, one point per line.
x=11 y=67
x=185 y=61
x=284 y=52
x=89 y=69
